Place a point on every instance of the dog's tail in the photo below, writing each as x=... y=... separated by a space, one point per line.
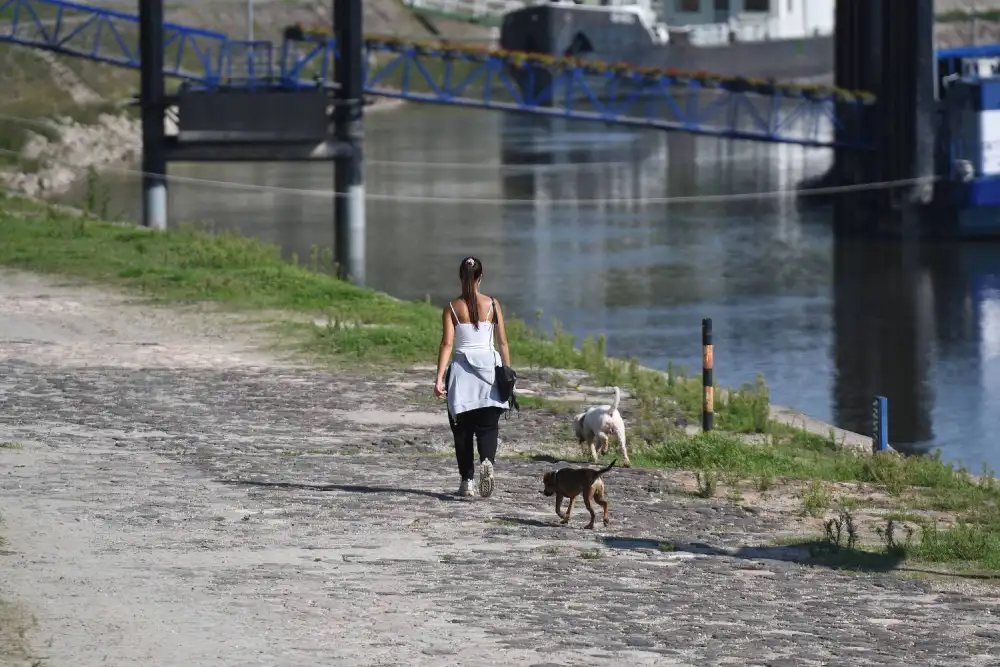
x=604 y=470
x=618 y=398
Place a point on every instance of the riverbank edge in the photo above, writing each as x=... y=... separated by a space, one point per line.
x=191 y=270
x=843 y=438
x=783 y=415
x=62 y=152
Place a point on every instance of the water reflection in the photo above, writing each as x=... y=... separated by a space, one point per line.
x=883 y=324
x=914 y=324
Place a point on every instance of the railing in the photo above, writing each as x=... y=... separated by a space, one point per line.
x=248 y=61
x=480 y=11
x=714 y=34
x=461 y=75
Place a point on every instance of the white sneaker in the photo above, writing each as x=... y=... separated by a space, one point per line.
x=463 y=489
x=486 y=479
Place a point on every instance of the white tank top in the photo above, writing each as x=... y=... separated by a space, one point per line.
x=470 y=339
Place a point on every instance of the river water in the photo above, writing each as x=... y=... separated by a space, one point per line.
x=830 y=325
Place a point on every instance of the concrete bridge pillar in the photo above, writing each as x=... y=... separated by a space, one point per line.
x=857 y=66
x=905 y=115
x=885 y=47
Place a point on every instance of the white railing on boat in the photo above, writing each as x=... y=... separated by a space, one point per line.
x=469 y=9
x=479 y=9
x=713 y=34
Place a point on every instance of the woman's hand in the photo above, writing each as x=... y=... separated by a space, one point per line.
x=439 y=387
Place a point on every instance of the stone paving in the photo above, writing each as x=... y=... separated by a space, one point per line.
x=180 y=500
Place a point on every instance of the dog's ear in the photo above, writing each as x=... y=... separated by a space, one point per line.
x=547 y=477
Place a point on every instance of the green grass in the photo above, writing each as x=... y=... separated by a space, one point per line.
x=30 y=90
x=976 y=544
x=971 y=547
x=964 y=17
x=31 y=93
x=554 y=405
x=915 y=482
x=817 y=500
x=797 y=454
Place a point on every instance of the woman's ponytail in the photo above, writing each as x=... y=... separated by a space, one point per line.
x=470 y=271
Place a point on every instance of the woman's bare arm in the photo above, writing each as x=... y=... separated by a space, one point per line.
x=447 y=341
x=501 y=335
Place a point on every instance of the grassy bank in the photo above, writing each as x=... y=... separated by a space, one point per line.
x=957 y=16
x=32 y=91
x=957 y=513
x=364 y=326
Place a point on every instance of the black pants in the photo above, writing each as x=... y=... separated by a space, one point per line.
x=483 y=424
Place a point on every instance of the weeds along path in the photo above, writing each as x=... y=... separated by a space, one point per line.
x=182 y=497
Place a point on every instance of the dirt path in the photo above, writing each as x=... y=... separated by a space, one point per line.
x=182 y=498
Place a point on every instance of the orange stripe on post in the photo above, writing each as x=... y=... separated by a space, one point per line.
x=707 y=381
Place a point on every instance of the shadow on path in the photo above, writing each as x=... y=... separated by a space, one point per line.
x=547 y=458
x=811 y=552
x=347 y=488
x=534 y=523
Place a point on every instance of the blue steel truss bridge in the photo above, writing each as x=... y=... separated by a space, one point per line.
x=460 y=75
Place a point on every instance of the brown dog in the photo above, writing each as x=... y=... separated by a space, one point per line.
x=571 y=482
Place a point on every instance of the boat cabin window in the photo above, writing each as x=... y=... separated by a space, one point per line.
x=689 y=6
x=757 y=6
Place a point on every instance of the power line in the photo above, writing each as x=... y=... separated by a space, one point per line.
x=481 y=201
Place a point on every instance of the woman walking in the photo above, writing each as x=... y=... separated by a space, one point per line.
x=474 y=405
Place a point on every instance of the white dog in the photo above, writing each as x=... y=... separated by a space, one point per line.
x=597 y=424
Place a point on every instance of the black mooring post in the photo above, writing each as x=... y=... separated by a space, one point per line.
x=707 y=381
x=348 y=116
x=151 y=93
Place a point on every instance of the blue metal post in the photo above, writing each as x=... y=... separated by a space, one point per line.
x=880 y=424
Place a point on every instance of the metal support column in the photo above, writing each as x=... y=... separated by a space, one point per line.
x=348 y=116
x=251 y=56
x=906 y=108
x=858 y=56
x=154 y=158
